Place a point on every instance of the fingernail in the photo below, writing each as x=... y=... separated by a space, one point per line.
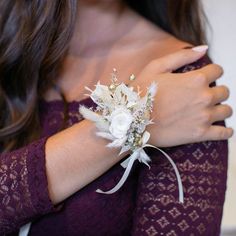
x=201 y=48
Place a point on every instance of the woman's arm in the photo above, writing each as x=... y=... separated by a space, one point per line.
x=36 y=177
x=75 y=157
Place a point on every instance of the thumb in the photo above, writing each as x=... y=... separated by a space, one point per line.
x=176 y=60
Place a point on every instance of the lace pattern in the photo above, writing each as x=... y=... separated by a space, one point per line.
x=203 y=169
x=23 y=193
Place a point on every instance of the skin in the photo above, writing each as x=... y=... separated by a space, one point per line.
x=135 y=46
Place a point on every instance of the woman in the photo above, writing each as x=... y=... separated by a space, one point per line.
x=50 y=50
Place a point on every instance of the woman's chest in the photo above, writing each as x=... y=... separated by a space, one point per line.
x=79 y=71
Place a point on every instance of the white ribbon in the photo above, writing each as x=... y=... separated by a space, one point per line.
x=140 y=155
x=24 y=230
x=132 y=159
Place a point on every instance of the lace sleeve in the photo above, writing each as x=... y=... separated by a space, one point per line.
x=23 y=187
x=203 y=170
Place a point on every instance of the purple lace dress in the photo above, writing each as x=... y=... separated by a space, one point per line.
x=147 y=204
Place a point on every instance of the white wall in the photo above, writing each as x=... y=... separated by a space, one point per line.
x=222 y=41
x=222 y=17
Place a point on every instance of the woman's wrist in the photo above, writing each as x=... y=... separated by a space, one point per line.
x=74 y=158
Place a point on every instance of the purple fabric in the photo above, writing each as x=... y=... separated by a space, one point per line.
x=147 y=204
x=23 y=186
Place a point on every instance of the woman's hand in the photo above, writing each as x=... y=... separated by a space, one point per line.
x=185 y=106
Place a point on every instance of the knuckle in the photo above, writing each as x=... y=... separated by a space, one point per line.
x=163 y=65
x=205 y=117
x=222 y=134
x=151 y=64
x=207 y=98
x=199 y=133
x=155 y=64
x=200 y=78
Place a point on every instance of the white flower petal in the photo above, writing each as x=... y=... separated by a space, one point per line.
x=150 y=122
x=87 y=88
x=124 y=149
x=121 y=119
x=101 y=95
x=145 y=138
x=105 y=135
x=127 y=91
x=131 y=104
x=144 y=158
x=102 y=125
x=117 y=143
x=152 y=89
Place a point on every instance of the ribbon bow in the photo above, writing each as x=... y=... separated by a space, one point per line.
x=141 y=155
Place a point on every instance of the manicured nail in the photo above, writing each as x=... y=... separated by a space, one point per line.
x=201 y=48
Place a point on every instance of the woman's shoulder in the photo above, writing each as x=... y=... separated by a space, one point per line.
x=164 y=43
x=159 y=39
x=168 y=44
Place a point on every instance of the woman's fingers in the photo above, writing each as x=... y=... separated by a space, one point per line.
x=216 y=132
x=178 y=59
x=220 y=112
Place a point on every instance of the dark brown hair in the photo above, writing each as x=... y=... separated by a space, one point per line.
x=34 y=38
x=182 y=18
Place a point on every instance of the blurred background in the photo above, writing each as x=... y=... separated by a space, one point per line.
x=222 y=42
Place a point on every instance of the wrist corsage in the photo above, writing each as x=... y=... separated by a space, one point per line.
x=121 y=116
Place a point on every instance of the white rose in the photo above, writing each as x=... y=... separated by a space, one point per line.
x=121 y=120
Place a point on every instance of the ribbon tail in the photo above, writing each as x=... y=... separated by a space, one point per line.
x=125 y=163
x=132 y=159
x=24 y=230
x=180 y=185
x=144 y=158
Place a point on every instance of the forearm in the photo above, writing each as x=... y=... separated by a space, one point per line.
x=74 y=158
